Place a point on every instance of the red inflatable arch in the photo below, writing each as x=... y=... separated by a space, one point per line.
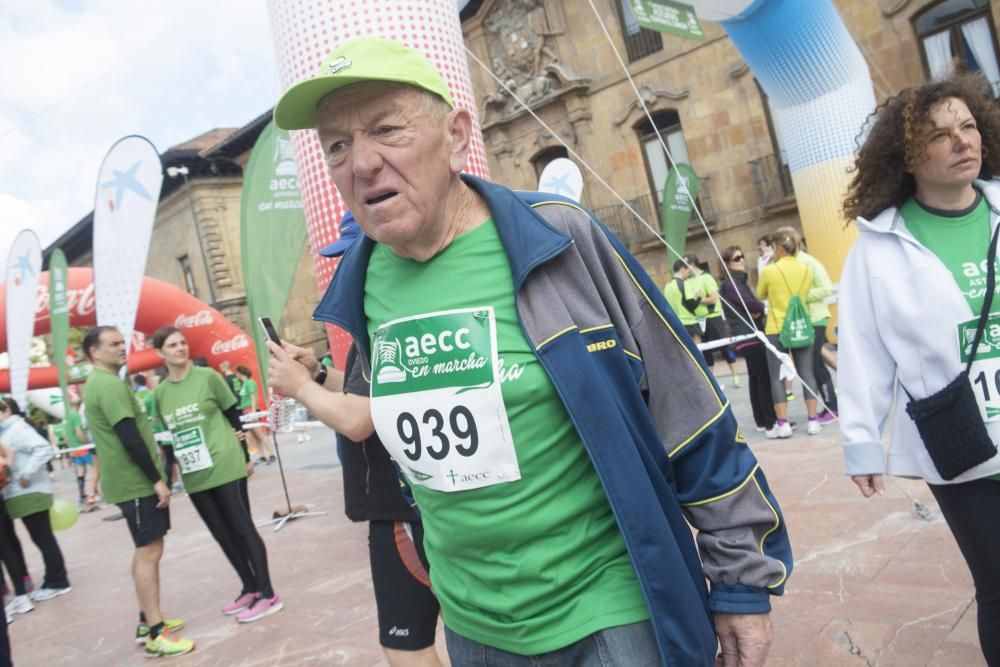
x=209 y=334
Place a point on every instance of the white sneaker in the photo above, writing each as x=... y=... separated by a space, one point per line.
x=10 y=619
x=21 y=604
x=43 y=594
x=814 y=427
x=779 y=431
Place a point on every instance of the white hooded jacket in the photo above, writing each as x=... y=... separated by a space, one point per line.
x=899 y=309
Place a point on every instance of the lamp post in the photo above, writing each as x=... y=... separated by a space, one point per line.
x=182 y=171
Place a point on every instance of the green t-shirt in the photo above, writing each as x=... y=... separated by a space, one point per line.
x=70 y=424
x=108 y=401
x=960 y=239
x=527 y=566
x=204 y=442
x=960 y=242
x=672 y=293
x=247 y=391
x=59 y=433
x=19 y=507
x=701 y=286
x=149 y=405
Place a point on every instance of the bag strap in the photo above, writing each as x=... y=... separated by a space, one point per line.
x=988 y=302
x=792 y=294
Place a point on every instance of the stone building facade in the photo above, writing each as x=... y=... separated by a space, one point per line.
x=703 y=98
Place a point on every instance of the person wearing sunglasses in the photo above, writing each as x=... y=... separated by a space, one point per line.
x=735 y=293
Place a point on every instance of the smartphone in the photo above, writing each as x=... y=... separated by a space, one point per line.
x=269 y=329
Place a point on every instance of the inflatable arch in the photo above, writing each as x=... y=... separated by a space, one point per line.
x=208 y=332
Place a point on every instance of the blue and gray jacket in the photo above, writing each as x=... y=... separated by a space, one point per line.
x=660 y=433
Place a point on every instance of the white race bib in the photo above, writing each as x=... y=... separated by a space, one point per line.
x=191 y=451
x=436 y=400
x=985 y=371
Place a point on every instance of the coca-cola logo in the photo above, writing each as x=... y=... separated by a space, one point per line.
x=237 y=342
x=79 y=302
x=199 y=319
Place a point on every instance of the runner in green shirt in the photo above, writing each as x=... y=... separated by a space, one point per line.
x=133 y=480
x=200 y=411
x=257 y=438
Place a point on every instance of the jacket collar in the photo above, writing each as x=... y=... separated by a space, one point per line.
x=526 y=237
x=889 y=222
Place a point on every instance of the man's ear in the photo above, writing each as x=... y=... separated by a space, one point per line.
x=459 y=127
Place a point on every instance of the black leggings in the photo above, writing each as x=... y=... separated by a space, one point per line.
x=40 y=529
x=11 y=553
x=759 y=385
x=971 y=510
x=824 y=380
x=226 y=512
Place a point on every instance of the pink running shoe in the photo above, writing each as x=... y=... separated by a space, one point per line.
x=261 y=608
x=239 y=604
x=827 y=417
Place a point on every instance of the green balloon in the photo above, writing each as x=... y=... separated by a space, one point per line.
x=63 y=515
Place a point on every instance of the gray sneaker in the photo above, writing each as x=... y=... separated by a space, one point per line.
x=43 y=593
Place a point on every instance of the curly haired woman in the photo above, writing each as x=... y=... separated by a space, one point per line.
x=926 y=207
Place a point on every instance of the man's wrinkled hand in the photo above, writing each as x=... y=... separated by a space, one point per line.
x=286 y=375
x=744 y=639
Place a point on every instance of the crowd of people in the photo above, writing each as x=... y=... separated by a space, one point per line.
x=530 y=426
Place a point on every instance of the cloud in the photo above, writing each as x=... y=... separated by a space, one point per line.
x=88 y=73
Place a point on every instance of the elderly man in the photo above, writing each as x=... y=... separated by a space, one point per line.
x=551 y=416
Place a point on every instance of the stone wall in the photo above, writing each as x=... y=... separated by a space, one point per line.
x=590 y=104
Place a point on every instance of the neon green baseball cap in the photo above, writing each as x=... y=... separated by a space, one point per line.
x=355 y=61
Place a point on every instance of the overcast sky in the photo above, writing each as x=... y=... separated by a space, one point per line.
x=77 y=75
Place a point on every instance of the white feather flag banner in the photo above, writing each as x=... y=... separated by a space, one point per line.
x=128 y=193
x=24 y=264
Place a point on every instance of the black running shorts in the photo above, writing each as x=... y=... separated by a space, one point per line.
x=146 y=523
x=407 y=609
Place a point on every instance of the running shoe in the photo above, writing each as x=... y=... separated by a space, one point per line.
x=272 y=459
x=10 y=619
x=813 y=428
x=736 y=381
x=827 y=417
x=168 y=644
x=19 y=604
x=239 y=604
x=760 y=429
x=789 y=396
x=260 y=608
x=142 y=630
x=44 y=593
x=779 y=431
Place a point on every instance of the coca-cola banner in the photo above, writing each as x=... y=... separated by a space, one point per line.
x=59 y=317
x=128 y=192
x=208 y=332
x=24 y=265
x=272 y=231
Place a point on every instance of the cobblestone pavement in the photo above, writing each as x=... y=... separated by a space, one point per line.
x=874 y=583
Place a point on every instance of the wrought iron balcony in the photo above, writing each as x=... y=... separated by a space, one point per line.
x=772 y=180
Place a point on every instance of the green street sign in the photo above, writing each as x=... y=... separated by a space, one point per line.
x=667 y=16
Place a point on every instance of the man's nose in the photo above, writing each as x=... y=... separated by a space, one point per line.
x=366 y=157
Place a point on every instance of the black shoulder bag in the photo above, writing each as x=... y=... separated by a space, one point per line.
x=948 y=420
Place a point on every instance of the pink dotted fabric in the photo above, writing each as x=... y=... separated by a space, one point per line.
x=305 y=31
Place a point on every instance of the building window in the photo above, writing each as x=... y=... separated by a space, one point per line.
x=657 y=166
x=542 y=159
x=188 y=275
x=962 y=30
x=772 y=179
x=639 y=42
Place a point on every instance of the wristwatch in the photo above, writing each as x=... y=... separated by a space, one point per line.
x=320 y=378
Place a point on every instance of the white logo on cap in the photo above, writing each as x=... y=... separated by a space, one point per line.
x=339 y=65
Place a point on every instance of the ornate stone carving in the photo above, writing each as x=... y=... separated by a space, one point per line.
x=523 y=56
x=649 y=97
